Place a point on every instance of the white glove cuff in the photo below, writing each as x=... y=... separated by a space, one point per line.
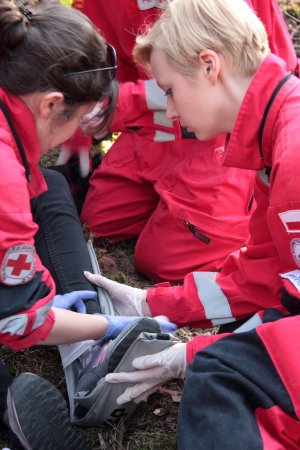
x=139 y=298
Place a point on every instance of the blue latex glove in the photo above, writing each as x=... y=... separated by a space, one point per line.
x=116 y=324
x=74 y=300
x=165 y=325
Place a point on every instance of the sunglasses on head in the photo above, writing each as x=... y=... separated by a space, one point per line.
x=111 y=59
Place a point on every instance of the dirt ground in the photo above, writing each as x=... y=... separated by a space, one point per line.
x=153 y=425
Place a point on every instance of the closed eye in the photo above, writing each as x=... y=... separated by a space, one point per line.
x=168 y=92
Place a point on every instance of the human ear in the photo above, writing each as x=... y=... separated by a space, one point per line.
x=50 y=103
x=210 y=64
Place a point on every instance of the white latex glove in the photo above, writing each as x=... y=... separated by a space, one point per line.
x=127 y=300
x=154 y=370
x=83 y=154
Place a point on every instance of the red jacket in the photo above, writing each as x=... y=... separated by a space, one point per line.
x=26 y=287
x=253 y=279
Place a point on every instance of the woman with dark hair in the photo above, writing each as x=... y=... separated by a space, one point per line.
x=54 y=69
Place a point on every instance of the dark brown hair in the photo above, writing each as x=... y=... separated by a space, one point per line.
x=39 y=50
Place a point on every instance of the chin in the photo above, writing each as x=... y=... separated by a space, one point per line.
x=201 y=136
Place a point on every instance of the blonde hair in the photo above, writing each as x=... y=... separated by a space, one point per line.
x=228 y=27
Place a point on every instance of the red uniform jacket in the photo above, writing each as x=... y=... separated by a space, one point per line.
x=26 y=287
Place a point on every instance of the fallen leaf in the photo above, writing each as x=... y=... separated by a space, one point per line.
x=160 y=412
x=175 y=395
x=106 y=261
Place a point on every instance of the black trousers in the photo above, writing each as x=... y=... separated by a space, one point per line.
x=61 y=245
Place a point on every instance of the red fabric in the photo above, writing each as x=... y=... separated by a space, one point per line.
x=17 y=226
x=281 y=341
x=278 y=430
x=132 y=194
x=33 y=337
x=199 y=343
x=120 y=25
x=255 y=273
x=151 y=188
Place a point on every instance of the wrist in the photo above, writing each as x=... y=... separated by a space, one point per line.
x=145 y=310
x=105 y=325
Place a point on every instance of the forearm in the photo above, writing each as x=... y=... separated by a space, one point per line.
x=187 y=304
x=70 y=327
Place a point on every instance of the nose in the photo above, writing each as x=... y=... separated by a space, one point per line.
x=171 y=112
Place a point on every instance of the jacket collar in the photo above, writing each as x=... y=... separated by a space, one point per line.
x=24 y=123
x=242 y=145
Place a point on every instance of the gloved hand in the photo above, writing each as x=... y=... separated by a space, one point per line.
x=116 y=324
x=83 y=153
x=77 y=145
x=73 y=300
x=154 y=370
x=127 y=300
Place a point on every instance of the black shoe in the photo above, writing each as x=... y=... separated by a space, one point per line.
x=38 y=416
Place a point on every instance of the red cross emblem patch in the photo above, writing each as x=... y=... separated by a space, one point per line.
x=18 y=266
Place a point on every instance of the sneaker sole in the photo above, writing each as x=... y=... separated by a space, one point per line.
x=115 y=352
x=38 y=415
x=120 y=345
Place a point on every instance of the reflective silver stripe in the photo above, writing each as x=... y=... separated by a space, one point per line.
x=162 y=136
x=263 y=176
x=41 y=315
x=253 y=322
x=155 y=96
x=157 y=102
x=148 y=4
x=160 y=118
x=16 y=325
x=215 y=303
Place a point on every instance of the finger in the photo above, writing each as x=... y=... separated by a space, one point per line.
x=99 y=280
x=147 y=362
x=125 y=397
x=131 y=377
x=84 y=162
x=167 y=327
x=143 y=397
x=86 y=295
x=64 y=156
x=165 y=324
x=134 y=392
x=80 y=307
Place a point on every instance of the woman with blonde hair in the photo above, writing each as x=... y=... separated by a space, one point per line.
x=212 y=59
